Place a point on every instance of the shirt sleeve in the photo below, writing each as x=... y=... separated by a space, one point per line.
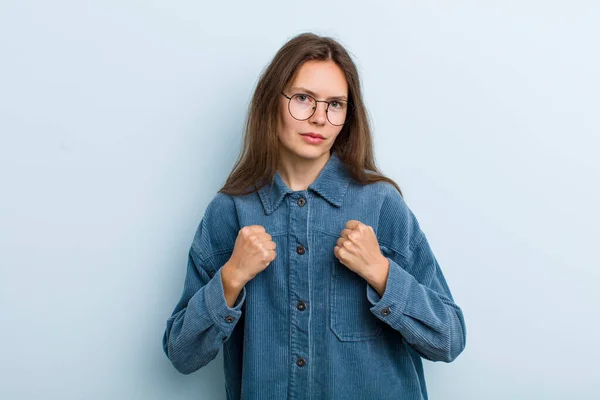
x=202 y=320
x=417 y=301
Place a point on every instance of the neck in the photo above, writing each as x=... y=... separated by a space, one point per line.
x=298 y=172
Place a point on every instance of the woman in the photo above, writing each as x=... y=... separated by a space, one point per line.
x=308 y=268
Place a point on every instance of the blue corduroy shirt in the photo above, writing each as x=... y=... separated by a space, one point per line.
x=308 y=327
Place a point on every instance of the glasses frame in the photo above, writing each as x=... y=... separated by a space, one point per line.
x=349 y=111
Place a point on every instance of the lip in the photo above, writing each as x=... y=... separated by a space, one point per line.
x=312 y=139
x=314 y=135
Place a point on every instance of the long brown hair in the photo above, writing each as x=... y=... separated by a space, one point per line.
x=258 y=160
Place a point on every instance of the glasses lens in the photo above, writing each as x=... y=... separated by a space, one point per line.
x=337 y=112
x=302 y=106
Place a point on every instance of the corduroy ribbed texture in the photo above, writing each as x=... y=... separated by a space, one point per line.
x=307 y=327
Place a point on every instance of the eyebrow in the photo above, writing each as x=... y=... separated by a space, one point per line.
x=315 y=95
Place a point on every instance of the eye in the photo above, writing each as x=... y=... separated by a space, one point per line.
x=338 y=105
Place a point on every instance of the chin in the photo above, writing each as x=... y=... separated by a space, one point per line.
x=311 y=154
x=305 y=151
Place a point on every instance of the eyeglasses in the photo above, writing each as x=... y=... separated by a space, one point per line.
x=302 y=106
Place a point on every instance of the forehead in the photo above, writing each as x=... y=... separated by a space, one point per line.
x=324 y=78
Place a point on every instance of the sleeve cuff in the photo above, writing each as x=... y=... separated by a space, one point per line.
x=222 y=315
x=390 y=307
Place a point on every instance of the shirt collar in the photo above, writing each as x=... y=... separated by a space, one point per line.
x=331 y=184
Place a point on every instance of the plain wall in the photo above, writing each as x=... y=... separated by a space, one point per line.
x=119 y=121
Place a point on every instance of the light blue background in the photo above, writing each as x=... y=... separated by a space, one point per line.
x=119 y=121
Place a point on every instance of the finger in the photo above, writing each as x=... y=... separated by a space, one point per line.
x=250 y=230
x=345 y=232
x=269 y=245
x=336 y=251
x=352 y=224
x=257 y=228
x=343 y=243
x=263 y=237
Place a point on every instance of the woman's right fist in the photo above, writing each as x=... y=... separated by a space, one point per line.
x=253 y=251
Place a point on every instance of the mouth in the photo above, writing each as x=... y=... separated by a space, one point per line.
x=313 y=135
x=312 y=138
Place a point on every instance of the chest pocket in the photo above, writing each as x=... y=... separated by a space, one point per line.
x=350 y=314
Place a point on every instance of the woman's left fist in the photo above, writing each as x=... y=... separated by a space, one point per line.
x=358 y=249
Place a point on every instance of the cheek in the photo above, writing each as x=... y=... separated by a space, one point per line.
x=287 y=124
x=335 y=131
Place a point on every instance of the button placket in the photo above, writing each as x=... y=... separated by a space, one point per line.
x=299 y=292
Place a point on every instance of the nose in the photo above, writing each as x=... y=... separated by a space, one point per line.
x=320 y=115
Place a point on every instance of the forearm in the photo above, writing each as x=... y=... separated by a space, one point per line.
x=233 y=283
x=377 y=276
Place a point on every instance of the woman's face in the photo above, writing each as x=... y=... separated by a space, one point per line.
x=323 y=80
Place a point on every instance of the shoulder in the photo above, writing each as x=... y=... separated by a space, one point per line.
x=385 y=196
x=218 y=228
x=391 y=200
x=398 y=227
x=220 y=203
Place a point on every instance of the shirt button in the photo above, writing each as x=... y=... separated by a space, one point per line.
x=229 y=319
x=301 y=201
x=385 y=312
x=301 y=362
x=301 y=305
x=300 y=249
